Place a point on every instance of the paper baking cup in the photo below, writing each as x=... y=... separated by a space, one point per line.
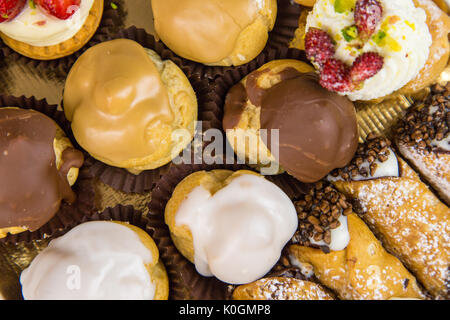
x=208 y=112
x=186 y=282
x=67 y=214
x=108 y=24
x=280 y=37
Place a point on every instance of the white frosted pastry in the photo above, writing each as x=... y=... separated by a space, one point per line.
x=36 y=27
x=402 y=38
x=239 y=231
x=95 y=260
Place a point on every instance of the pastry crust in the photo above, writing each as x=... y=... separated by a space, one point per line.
x=363 y=270
x=65 y=48
x=439 y=26
x=435 y=167
x=411 y=222
x=60 y=144
x=156 y=269
x=212 y=181
x=281 y=288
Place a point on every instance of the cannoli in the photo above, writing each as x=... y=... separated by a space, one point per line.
x=423 y=138
x=339 y=249
x=409 y=219
x=281 y=288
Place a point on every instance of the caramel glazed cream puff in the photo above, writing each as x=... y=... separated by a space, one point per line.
x=215 y=32
x=239 y=240
x=38 y=166
x=98 y=260
x=48 y=29
x=375 y=49
x=127 y=106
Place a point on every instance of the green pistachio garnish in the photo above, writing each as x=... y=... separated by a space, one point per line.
x=350 y=33
x=342 y=6
x=379 y=37
x=114 y=6
x=32 y=4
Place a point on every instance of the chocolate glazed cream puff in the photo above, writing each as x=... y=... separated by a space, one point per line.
x=317 y=128
x=126 y=105
x=37 y=166
x=215 y=32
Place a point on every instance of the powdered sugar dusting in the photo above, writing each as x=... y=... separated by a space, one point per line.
x=412 y=223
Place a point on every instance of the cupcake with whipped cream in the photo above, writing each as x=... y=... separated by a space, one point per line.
x=48 y=29
x=370 y=49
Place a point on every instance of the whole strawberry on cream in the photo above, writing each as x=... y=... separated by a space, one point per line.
x=367 y=49
x=43 y=23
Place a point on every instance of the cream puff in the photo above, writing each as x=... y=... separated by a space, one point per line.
x=279 y=116
x=371 y=49
x=98 y=260
x=38 y=166
x=48 y=29
x=215 y=32
x=128 y=107
x=231 y=225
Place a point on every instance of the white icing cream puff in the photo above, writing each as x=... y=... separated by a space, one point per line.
x=95 y=260
x=239 y=231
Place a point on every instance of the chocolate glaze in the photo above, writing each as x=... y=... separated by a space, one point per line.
x=31 y=188
x=318 y=128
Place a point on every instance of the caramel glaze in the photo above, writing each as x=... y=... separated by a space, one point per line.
x=317 y=128
x=31 y=187
x=205 y=31
x=117 y=103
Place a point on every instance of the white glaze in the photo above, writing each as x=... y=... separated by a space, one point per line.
x=240 y=231
x=388 y=168
x=109 y=259
x=410 y=32
x=26 y=27
x=340 y=237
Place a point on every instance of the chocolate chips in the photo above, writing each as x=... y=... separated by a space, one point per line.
x=376 y=148
x=318 y=214
x=429 y=120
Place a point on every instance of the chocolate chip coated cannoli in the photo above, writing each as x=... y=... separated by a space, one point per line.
x=423 y=138
x=340 y=250
x=409 y=219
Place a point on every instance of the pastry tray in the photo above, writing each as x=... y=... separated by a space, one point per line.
x=19 y=76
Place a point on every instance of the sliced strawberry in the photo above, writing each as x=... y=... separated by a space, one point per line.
x=61 y=9
x=9 y=9
x=335 y=76
x=368 y=14
x=319 y=46
x=366 y=66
